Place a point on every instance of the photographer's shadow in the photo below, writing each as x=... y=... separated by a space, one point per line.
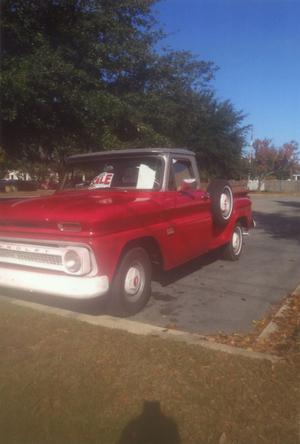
x=150 y=427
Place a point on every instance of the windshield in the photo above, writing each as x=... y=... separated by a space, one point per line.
x=140 y=173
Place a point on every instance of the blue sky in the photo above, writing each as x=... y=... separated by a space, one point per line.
x=256 y=45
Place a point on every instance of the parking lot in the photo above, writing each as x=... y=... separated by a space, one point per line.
x=210 y=295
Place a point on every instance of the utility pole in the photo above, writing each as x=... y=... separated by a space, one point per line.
x=251 y=154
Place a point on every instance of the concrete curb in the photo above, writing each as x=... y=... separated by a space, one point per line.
x=139 y=328
x=273 y=326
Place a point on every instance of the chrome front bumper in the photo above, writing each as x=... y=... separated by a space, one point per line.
x=79 y=287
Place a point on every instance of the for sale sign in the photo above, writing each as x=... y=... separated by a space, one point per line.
x=103 y=180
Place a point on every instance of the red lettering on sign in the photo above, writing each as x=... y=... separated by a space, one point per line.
x=103 y=180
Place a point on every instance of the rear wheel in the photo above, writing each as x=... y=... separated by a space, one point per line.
x=233 y=249
x=131 y=286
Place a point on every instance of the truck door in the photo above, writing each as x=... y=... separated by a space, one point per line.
x=191 y=221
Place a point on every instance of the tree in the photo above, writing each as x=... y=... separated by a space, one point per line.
x=272 y=161
x=84 y=75
x=60 y=61
x=288 y=160
x=2 y=162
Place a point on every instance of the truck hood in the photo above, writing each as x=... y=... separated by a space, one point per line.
x=97 y=211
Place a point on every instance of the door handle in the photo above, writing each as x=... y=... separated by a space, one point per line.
x=205 y=196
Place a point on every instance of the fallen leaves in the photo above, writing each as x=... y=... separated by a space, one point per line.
x=283 y=340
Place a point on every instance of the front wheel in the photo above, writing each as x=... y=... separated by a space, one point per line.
x=233 y=249
x=131 y=286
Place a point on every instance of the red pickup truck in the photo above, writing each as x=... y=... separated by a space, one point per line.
x=116 y=216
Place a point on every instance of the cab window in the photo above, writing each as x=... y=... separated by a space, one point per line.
x=180 y=170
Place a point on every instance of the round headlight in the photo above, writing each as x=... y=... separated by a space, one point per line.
x=72 y=261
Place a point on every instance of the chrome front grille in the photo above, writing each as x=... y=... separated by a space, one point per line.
x=32 y=255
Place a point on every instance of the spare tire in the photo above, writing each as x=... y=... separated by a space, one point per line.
x=221 y=201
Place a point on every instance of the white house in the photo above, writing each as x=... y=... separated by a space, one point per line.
x=15 y=175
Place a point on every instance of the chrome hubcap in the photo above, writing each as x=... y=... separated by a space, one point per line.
x=134 y=281
x=237 y=240
x=226 y=202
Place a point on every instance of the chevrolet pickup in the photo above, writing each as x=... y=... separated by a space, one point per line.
x=116 y=216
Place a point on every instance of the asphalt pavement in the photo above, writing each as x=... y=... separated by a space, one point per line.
x=211 y=295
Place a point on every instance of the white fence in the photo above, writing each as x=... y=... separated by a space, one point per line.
x=274 y=186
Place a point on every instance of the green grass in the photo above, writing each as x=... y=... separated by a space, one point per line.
x=63 y=381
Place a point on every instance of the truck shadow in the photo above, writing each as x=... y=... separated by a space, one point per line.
x=91 y=307
x=99 y=306
x=169 y=277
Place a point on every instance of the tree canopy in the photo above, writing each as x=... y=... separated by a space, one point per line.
x=271 y=161
x=85 y=75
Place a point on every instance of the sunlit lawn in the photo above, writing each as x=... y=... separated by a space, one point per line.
x=63 y=381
